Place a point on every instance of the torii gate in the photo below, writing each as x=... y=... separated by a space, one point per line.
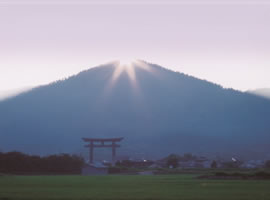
x=101 y=143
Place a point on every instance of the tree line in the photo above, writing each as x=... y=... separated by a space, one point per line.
x=20 y=163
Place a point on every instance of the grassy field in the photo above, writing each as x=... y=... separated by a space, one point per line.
x=130 y=187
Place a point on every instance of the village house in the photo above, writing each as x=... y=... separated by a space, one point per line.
x=94 y=169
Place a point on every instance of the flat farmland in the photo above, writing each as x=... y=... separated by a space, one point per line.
x=148 y=187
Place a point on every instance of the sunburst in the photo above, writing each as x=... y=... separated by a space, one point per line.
x=129 y=67
x=124 y=66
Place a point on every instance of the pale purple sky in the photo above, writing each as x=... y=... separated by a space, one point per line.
x=223 y=41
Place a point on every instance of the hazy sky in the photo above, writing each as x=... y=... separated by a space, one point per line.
x=223 y=41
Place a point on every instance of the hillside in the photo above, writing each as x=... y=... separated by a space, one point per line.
x=156 y=110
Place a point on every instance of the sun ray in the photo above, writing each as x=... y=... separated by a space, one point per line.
x=117 y=72
x=131 y=73
x=129 y=68
x=124 y=65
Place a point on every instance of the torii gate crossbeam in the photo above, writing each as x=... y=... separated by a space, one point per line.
x=102 y=143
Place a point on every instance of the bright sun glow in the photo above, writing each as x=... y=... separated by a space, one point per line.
x=126 y=62
x=128 y=67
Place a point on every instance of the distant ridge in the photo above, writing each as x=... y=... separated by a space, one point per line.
x=156 y=110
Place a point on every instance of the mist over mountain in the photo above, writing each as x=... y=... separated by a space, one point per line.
x=263 y=92
x=156 y=110
x=13 y=92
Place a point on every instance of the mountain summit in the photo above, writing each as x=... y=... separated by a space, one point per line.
x=156 y=110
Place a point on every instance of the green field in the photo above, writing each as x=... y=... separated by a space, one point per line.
x=130 y=187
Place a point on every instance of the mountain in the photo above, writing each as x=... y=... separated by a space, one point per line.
x=156 y=110
x=263 y=92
